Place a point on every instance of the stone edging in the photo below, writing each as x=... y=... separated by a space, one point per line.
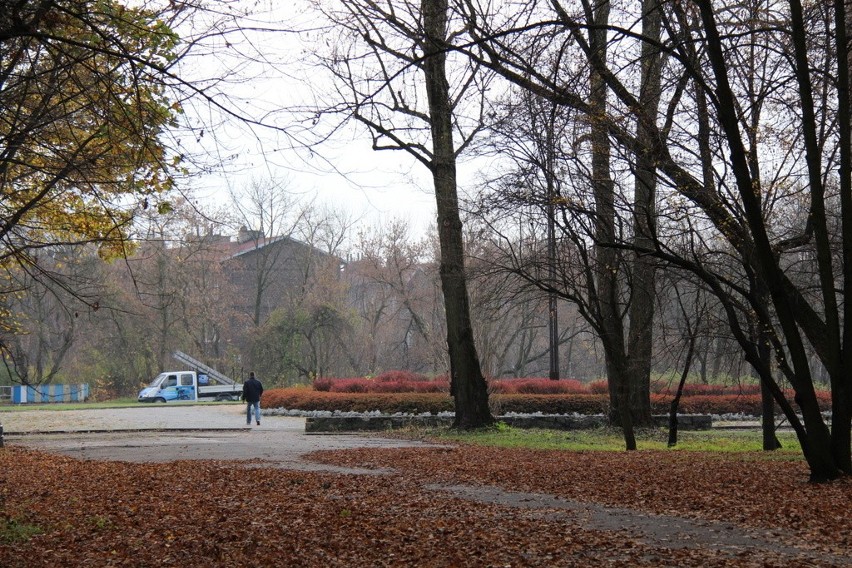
x=318 y=424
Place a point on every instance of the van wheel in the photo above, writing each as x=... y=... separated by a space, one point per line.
x=159 y=399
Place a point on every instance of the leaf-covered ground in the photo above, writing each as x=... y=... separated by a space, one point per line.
x=218 y=513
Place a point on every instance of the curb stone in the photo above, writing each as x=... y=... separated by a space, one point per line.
x=544 y=421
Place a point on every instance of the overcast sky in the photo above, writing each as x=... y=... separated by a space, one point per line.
x=342 y=173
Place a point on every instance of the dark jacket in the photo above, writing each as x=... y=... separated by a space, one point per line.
x=252 y=389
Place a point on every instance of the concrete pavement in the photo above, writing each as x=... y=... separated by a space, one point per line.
x=162 y=433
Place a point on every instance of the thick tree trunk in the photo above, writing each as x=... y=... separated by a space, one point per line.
x=605 y=288
x=640 y=335
x=467 y=384
x=841 y=380
x=841 y=421
x=767 y=420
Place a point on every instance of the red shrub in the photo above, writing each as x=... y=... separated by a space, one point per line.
x=749 y=404
x=400 y=377
x=552 y=403
x=305 y=399
x=432 y=386
x=521 y=395
x=390 y=382
x=540 y=386
x=392 y=386
x=694 y=389
x=435 y=402
x=350 y=385
x=501 y=386
x=412 y=386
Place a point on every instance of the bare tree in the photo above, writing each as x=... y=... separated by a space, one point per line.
x=393 y=276
x=732 y=218
x=264 y=212
x=405 y=56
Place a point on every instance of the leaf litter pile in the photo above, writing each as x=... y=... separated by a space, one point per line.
x=457 y=505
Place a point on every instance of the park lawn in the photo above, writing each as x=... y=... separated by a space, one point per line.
x=611 y=439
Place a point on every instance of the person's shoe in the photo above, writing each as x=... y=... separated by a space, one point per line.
x=258 y=422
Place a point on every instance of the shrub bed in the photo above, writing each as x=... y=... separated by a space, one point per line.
x=414 y=402
x=406 y=381
x=550 y=403
x=709 y=404
x=705 y=390
x=305 y=399
x=538 y=386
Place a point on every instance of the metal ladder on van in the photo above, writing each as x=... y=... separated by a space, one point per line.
x=199 y=366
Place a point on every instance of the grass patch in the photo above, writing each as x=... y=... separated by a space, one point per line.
x=100 y=522
x=611 y=439
x=117 y=403
x=12 y=531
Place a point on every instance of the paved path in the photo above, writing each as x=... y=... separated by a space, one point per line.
x=162 y=433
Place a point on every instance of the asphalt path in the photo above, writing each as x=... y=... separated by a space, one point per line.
x=170 y=432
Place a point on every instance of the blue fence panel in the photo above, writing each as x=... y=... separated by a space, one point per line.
x=23 y=394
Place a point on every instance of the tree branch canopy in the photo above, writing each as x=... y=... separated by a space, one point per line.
x=81 y=118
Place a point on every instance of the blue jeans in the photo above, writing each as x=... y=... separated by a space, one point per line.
x=256 y=406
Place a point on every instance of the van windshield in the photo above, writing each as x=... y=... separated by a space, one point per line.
x=157 y=380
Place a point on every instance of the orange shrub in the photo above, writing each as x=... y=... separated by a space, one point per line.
x=389 y=403
x=391 y=381
x=692 y=389
x=710 y=404
x=400 y=377
x=552 y=403
x=415 y=402
x=537 y=386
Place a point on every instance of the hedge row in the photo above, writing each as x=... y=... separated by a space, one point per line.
x=306 y=399
x=362 y=385
x=406 y=381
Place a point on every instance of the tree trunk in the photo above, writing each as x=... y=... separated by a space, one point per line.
x=640 y=334
x=816 y=441
x=611 y=326
x=767 y=403
x=767 y=420
x=467 y=385
x=841 y=380
x=690 y=351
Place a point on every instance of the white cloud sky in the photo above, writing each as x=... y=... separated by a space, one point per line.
x=344 y=172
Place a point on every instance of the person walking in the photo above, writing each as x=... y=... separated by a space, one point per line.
x=252 y=389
